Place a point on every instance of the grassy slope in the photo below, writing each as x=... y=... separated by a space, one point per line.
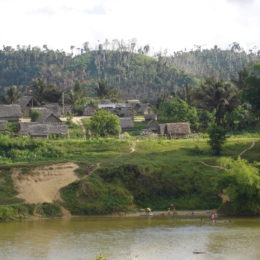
x=164 y=168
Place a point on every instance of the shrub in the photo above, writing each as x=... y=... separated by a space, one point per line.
x=34 y=115
x=104 y=124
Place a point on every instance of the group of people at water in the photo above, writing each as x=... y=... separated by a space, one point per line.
x=171 y=210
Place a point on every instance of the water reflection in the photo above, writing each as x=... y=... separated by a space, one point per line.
x=155 y=238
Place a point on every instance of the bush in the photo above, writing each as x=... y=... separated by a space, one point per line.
x=242 y=186
x=51 y=210
x=104 y=124
x=34 y=115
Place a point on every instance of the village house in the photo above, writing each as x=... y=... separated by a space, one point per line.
x=176 y=130
x=45 y=130
x=10 y=113
x=36 y=130
x=89 y=110
x=48 y=117
x=26 y=103
x=153 y=126
x=126 y=123
x=54 y=108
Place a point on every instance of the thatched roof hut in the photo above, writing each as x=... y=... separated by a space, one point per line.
x=153 y=126
x=89 y=110
x=124 y=112
x=177 y=130
x=126 y=123
x=44 y=130
x=10 y=113
x=54 y=108
x=26 y=103
x=48 y=117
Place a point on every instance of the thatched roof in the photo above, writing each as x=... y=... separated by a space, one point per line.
x=89 y=110
x=153 y=126
x=9 y=111
x=46 y=115
x=24 y=128
x=125 y=112
x=57 y=129
x=54 y=108
x=47 y=129
x=126 y=123
x=25 y=100
x=180 y=128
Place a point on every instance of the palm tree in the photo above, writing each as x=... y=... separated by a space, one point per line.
x=218 y=96
x=11 y=94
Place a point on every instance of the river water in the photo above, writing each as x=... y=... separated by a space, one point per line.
x=142 y=238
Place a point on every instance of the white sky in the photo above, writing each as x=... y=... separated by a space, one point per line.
x=163 y=24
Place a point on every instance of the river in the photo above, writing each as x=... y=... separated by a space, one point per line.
x=127 y=238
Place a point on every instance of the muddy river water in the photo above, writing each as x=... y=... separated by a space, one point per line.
x=128 y=238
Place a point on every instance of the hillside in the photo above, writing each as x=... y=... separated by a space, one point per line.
x=132 y=72
x=134 y=75
x=215 y=62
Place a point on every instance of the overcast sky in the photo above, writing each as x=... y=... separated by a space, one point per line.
x=164 y=24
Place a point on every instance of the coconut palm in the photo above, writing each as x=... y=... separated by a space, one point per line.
x=11 y=94
x=217 y=96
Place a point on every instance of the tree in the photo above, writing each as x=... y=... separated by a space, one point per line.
x=217 y=138
x=102 y=90
x=241 y=185
x=177 y=110
x=252 y=92
x=219 y=97
x=11 y=94
x=104 y=124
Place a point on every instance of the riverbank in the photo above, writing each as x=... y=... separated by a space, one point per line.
x=111 y=176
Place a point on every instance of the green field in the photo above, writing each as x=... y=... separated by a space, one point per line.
x=132 y=173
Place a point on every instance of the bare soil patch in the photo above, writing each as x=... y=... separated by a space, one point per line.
x=43 y=183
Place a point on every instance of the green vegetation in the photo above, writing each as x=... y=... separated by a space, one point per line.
x=34 y=115
x=242 y=186
x=160 y=172
x=177 y=110
x=217 y=137
x=104 y=124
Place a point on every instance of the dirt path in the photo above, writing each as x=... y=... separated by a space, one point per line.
x=213 y=166
x=43 y=183
x=132 y=147
x=247 y=149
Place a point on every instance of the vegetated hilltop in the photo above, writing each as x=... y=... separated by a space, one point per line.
x=125 y=68
x=134 y=74
x=215 y=62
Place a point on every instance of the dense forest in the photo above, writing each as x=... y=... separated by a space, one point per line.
x=125 y=67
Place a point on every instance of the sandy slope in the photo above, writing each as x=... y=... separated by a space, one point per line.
x=42 y=184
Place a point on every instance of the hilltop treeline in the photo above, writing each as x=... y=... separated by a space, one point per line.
x=214 y=62
x=132 y=73
x=125 y=67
